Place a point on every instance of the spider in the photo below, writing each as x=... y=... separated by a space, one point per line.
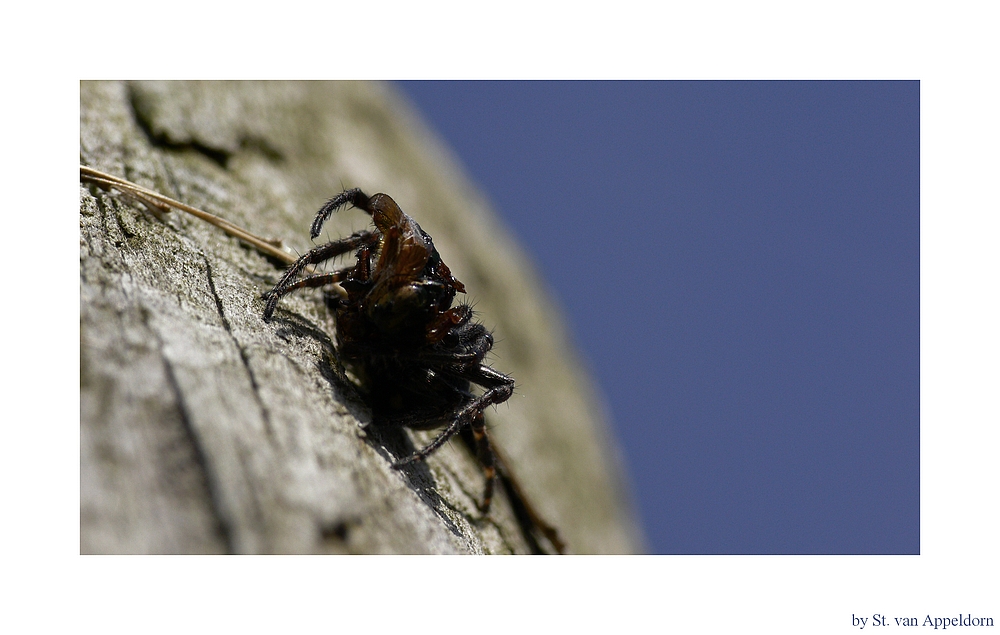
x=414 y=353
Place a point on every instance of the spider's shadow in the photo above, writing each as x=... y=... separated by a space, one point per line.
x=392 y=443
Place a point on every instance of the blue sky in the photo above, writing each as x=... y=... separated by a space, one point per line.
x=739 y=263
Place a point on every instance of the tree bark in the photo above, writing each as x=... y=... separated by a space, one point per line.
x=206 y=430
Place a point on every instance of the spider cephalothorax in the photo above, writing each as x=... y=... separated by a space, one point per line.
x=414 y=353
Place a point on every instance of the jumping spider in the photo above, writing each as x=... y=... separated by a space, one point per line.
x=415 y=355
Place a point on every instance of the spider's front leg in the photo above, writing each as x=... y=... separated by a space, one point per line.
x=313 y=257
x=355 y=197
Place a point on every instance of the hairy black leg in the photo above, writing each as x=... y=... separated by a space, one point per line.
x=494 y=380
x=311 y=282
x=355 y=197
x=501 y=390
x=312 y=257
x=318 y=280
x=501 y=387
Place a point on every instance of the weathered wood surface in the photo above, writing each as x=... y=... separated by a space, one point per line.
x=205 y=430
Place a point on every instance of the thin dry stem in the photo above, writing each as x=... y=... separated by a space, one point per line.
x=157 y=201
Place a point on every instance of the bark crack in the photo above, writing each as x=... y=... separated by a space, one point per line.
x=223 y=528
x=255 y=387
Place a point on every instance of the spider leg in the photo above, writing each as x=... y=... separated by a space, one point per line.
x=310 y=282
x=499 y=389
x=355 y=197
x=318 y=280
x=456 y=424
x=312 y=257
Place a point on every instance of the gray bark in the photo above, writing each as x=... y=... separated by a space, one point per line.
x=205 y=429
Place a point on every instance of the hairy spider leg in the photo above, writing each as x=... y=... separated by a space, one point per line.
x=354 y=196
x=504 y=385
x=493 y=396
x=318 y=280
x=313 y=257
x=499 y=388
